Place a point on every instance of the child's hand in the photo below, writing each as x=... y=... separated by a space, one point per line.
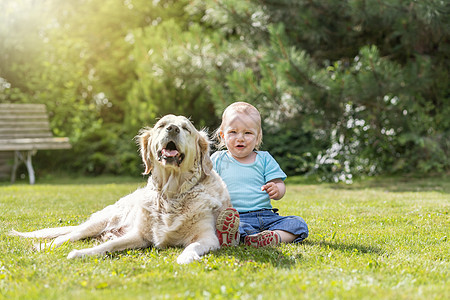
x=272 y=189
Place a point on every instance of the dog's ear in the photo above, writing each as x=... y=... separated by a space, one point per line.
x=144 y=140
x=203 y=143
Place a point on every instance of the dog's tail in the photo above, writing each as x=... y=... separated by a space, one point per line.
x=47 y=233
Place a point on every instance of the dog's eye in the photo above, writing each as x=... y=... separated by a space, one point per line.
x=186 y=128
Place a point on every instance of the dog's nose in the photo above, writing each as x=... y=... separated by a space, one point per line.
x=173 y=129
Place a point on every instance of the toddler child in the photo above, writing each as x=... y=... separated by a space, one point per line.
x=253 y=178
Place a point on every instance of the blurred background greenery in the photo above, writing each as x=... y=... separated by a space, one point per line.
x=346 y=88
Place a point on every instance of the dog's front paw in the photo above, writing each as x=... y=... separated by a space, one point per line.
x=187 y=257
x=74 y=254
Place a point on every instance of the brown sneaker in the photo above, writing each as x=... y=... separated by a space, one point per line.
x=263 y=239
x=227 y=227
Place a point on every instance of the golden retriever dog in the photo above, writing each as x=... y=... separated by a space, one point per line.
x=179 y=206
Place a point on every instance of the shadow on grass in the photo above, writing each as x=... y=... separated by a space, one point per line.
x=272 y=256
x=348 y=248
x=243 y=254
x=276 y=257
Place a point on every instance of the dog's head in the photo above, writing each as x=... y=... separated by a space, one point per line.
x=174 y=143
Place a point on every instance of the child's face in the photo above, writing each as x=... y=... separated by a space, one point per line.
x=240 y=134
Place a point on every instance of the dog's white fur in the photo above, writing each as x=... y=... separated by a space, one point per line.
x=178 y=206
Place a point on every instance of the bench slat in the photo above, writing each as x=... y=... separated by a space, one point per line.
x=23 y=107
x=24 y=112
x=35 y=144
x=24 y=128
x=19 y=136
x=15 y=117
x=24 y=122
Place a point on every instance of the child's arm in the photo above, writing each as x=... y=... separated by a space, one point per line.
x=275 y=188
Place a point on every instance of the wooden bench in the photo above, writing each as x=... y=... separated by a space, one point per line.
x=24 y=129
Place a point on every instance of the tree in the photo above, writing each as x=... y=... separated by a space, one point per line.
x=83 y=60
x=345 y=87
x=365 y=80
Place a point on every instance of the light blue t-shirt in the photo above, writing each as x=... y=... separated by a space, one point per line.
x=244 y=181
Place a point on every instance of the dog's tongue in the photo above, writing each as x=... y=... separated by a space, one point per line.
x=169 y=153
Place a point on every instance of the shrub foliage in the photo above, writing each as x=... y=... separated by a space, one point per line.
x=346 y=88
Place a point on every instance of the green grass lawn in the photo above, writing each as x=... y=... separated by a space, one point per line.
x=375 y=239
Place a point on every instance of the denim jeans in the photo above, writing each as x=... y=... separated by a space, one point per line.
x=257 y=221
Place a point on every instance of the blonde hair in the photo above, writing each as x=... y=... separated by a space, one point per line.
x=242 y=108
